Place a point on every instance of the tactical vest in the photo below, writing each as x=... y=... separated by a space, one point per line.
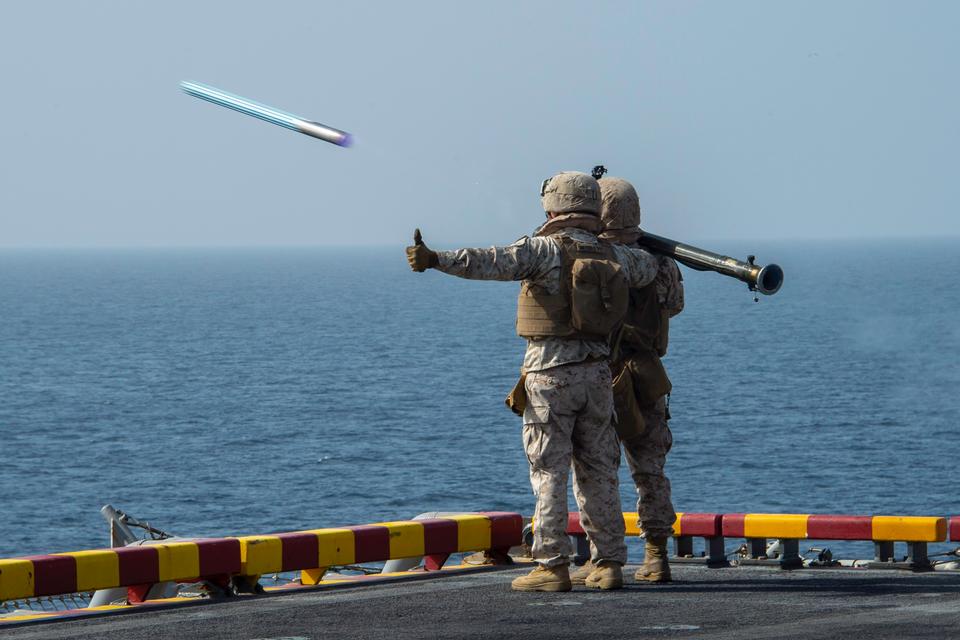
x=591 y=302
x=647 y=324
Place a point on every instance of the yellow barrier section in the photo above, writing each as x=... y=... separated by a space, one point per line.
x=631 y=522
x=473 y=532
x=336 y=546
x=178 y=560
x=98 y=569
x=775 y=525
x=16 y=579
x=909 y=528
x=260 y=554
x=406 y=538
x=676 y=524
x=312 y=576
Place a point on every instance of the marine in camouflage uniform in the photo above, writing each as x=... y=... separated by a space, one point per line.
x=567 y=419
x=647 y=456
x=643 y=343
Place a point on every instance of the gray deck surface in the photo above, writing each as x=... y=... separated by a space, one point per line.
x=745 y=602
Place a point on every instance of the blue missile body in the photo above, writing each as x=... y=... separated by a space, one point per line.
x=269 y=114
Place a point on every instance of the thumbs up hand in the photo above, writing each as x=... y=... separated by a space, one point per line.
x=419 y=256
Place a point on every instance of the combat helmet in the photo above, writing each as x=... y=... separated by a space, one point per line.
x=571 y=192
x=620 y=205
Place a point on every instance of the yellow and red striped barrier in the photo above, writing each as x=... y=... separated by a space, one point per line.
x=799 y=526
x=686 y=527
x=883 y=531
x=835 y=527
x=687 y=524
x=313 y=551
x=310 y=551
x=75 y=571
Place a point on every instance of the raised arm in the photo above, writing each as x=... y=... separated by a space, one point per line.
x=639 y=265
x=670 y=286
x=527 y=258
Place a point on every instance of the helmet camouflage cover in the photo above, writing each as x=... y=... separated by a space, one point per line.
x=620 y=204
x=571 y=192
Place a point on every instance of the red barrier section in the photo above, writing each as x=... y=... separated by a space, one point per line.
x=954 y=533
x=138 y=565
x=506 y=529
x=219 y=556
x=297 y=550
x=573 y=524
x=707 y=525
x=840 y=527
x=733 y=524
x=53 y=575
x=371 y=543
x=439 y=536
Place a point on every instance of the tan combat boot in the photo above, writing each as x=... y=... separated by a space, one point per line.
x=655 y=567
x=544 y=579
x=579 y=577
x=607 y=575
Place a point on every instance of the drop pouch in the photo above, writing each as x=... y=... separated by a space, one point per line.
x=629 y=423
x=516 y=400
x=650 y=380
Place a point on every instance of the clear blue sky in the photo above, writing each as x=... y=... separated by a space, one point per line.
x=733 y=119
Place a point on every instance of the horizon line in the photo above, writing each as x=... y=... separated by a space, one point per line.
x=317 y=245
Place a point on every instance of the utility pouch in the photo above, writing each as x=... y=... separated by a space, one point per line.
x=650 y=381
x=599 y=296
x=516 y=400
x=630 y=423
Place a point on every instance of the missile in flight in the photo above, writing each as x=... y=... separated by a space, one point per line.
x=269 y=114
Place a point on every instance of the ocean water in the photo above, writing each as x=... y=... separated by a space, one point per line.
x=221 y=392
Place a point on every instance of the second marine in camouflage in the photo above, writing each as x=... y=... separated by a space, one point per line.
x=640 y=346
x=569 y=400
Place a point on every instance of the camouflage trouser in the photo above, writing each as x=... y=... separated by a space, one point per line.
x=568 y=418
x=646 y=458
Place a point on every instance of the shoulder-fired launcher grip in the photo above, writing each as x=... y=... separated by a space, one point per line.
x=764 y=279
